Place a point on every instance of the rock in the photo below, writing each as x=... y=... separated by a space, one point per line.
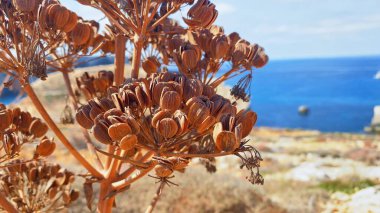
x=328 y=169
x=303 y=110
x=368 y=155
x=375 y=123
x=365 y=200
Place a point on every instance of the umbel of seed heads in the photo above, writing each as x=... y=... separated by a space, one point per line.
x=53 y=17
x=38 y=186
x=202 y=14
x=18 y=128
x=161 y=112
x=95 y=86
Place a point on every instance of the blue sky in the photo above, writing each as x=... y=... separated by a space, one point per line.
x=296 y=28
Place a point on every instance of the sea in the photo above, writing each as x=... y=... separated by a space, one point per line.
x=340 y=93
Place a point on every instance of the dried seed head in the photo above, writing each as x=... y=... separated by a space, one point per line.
x=206 y=124
x=118 y=130
x=247 y=119
x=179 y=163
x=242 y=89
x=170 y=100
x=192 y=88
x=42 y=178
x=163 y=171
x=128 y=142
x=182 y=122
x=46 y=147
x=226 y=141
x=5 y=119
x=167 y=127
x=201 y=14
x=83 y=117
x=198 y=112
x=219 y=46
x=25 y=5
x=151 y=65
x=100 y=132
x=38 y=128
x=81 y=33
x=190 y=56
x=261 y=59
x=71 y=22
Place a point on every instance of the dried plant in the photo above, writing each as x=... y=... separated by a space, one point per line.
x=155 y=122
x=38 y=186
x=18 y=128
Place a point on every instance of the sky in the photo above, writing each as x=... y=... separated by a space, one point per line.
x=295 y=28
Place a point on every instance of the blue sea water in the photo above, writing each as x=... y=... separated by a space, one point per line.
x=340 y=92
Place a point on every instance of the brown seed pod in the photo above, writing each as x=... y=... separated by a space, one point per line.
x=71 y=22
x=100 y=132
x=46 y=147
x=134 y=125
x=219 y=46
x=226 y=141
x=60 y=17
x=192 y=88
x=162 y=171
x=143 y=97
x=206 y=124
x=5 y=119
x=198 y=112
x=38 y=128
x=182 y=122
x=25 y=5
x=128 y=142
x=66 y=197
x=157 y=117
x=80 y=34
x=151 y=65
x=118 y=130
x=24 y=121
x=179 y=163
x=170 y=101
x=83 y=117
x=52 y=192
x=60 y=177
x=208 y=91
x=190 y=55
x=74 y=195
x=201 y=14
x=167 y=127
x=33 y=174
x=248 y=120
x=260 y=60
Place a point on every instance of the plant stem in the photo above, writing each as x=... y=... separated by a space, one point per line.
x=40 y=108
x=6 y=205
x=155 y=198
x=136 y=59
x=119 y=58
x=120 y=185
x=89 y=143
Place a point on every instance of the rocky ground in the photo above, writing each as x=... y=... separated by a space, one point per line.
x=304 y=171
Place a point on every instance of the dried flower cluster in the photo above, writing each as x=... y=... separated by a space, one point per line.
x=38 y=186
x=158 y=123
x=169 y=114
x=18 y=128
x=95 y=86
